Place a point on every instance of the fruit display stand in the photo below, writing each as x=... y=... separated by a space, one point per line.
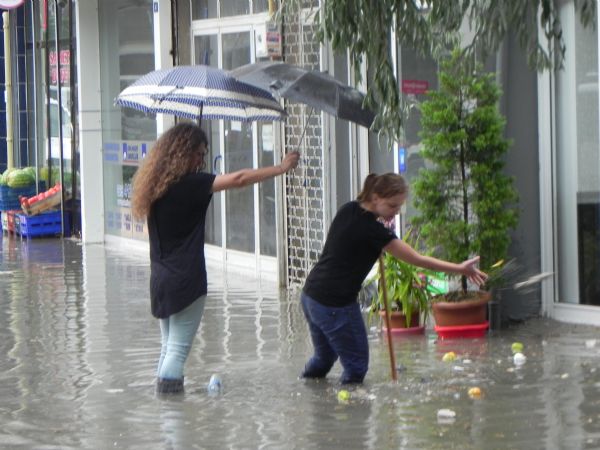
x=44 y=201
x=8 y=220
x=9 y=197
x=49 y=223
x=40 y=216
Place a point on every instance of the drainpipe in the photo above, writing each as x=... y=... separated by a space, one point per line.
x=8 y=90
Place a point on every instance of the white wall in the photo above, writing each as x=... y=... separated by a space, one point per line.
x=90 y=122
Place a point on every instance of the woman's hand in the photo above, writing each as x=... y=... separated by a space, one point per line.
x=468 y=268
x=289 y=161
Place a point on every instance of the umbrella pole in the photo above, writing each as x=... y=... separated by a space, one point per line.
x=387 y=319
x=200 y=115
x=312 y=110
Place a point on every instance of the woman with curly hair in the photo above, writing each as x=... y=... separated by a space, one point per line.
x=172 y=192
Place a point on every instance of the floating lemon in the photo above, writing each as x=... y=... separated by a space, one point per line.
x=474 y=392
x=343 y=396
x=516 y=347
x=449 y=357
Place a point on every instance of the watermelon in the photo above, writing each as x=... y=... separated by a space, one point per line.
x=19 y=178
x=44 y=174
x=4 y=176
x=30 y=171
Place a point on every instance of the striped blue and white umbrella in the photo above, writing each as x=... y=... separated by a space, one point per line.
x=200 y=92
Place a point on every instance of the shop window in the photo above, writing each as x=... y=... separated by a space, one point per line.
x=577 y=165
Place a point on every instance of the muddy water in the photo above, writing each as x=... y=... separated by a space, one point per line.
x=79 y=348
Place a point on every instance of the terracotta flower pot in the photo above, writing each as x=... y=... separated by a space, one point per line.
x=467 y=312
x=398 y=319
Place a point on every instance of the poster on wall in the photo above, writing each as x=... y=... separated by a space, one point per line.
x=10 y=4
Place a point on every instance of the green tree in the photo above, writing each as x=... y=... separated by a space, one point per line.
x=363 y=28
x=466 y=204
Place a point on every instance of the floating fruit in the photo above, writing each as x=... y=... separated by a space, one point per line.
x=474 y=392
x=343 y=396
x=449 y=357
x=516 y=347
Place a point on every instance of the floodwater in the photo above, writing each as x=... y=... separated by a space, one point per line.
x=79 y=350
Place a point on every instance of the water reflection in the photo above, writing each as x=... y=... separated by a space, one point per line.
x=80 y=349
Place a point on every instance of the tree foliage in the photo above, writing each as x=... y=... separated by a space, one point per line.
x=466 y=204
x=363 y=28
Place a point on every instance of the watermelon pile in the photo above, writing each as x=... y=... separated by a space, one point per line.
x=18 y=178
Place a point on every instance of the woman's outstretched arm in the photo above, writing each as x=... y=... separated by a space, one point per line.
x=246 y=177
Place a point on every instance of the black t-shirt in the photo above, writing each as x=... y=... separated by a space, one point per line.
x=354 y=242
x=176 y=229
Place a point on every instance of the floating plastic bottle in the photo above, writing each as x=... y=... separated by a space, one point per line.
x=214 y=384
x=446 y=416
x=519 y=359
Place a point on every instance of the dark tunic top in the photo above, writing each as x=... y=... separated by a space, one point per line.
x=176 y=230
x=354 y=242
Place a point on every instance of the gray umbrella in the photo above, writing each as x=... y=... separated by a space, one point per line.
x=316 y=89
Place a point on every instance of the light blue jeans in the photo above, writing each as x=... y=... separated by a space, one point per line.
x=178 y=332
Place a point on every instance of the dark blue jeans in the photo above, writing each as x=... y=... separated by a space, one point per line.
x=336 y=332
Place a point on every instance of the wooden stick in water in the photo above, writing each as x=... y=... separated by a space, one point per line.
x=387 y=319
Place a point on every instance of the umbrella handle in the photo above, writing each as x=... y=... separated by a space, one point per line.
x=215 y=161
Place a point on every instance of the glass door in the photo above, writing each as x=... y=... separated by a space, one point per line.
x=239 y=153
x=242 y=222
x=206 y=51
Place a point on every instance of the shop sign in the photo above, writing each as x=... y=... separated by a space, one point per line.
x=273 y=38
x=10 y=4
x=414 y=86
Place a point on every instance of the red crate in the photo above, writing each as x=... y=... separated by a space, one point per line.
x=8 y=220
x=11 y=216
x=462 y=331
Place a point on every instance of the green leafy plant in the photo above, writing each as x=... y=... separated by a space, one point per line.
x=363 y=28
x=407 y=289
x=466 y=204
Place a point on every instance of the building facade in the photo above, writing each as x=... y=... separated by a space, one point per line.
x=80 y=55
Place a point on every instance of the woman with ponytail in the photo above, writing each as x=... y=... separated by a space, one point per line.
x=355 y=240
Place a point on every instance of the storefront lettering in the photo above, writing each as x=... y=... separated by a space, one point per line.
x=60 y=64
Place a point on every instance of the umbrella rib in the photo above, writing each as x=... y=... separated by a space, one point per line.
x=166 y=94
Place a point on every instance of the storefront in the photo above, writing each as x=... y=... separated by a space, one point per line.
x=242 y=225
x=43 y=104
x=277 y=228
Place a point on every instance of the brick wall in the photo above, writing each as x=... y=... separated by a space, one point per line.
x=304 y=196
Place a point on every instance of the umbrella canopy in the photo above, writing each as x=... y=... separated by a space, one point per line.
x=200 y=92
x=316 y=89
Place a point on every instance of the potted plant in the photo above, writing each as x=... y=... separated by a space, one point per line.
x=466 y=204
x=407 y=294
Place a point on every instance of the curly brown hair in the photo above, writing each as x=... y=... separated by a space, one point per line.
x=175 y=154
